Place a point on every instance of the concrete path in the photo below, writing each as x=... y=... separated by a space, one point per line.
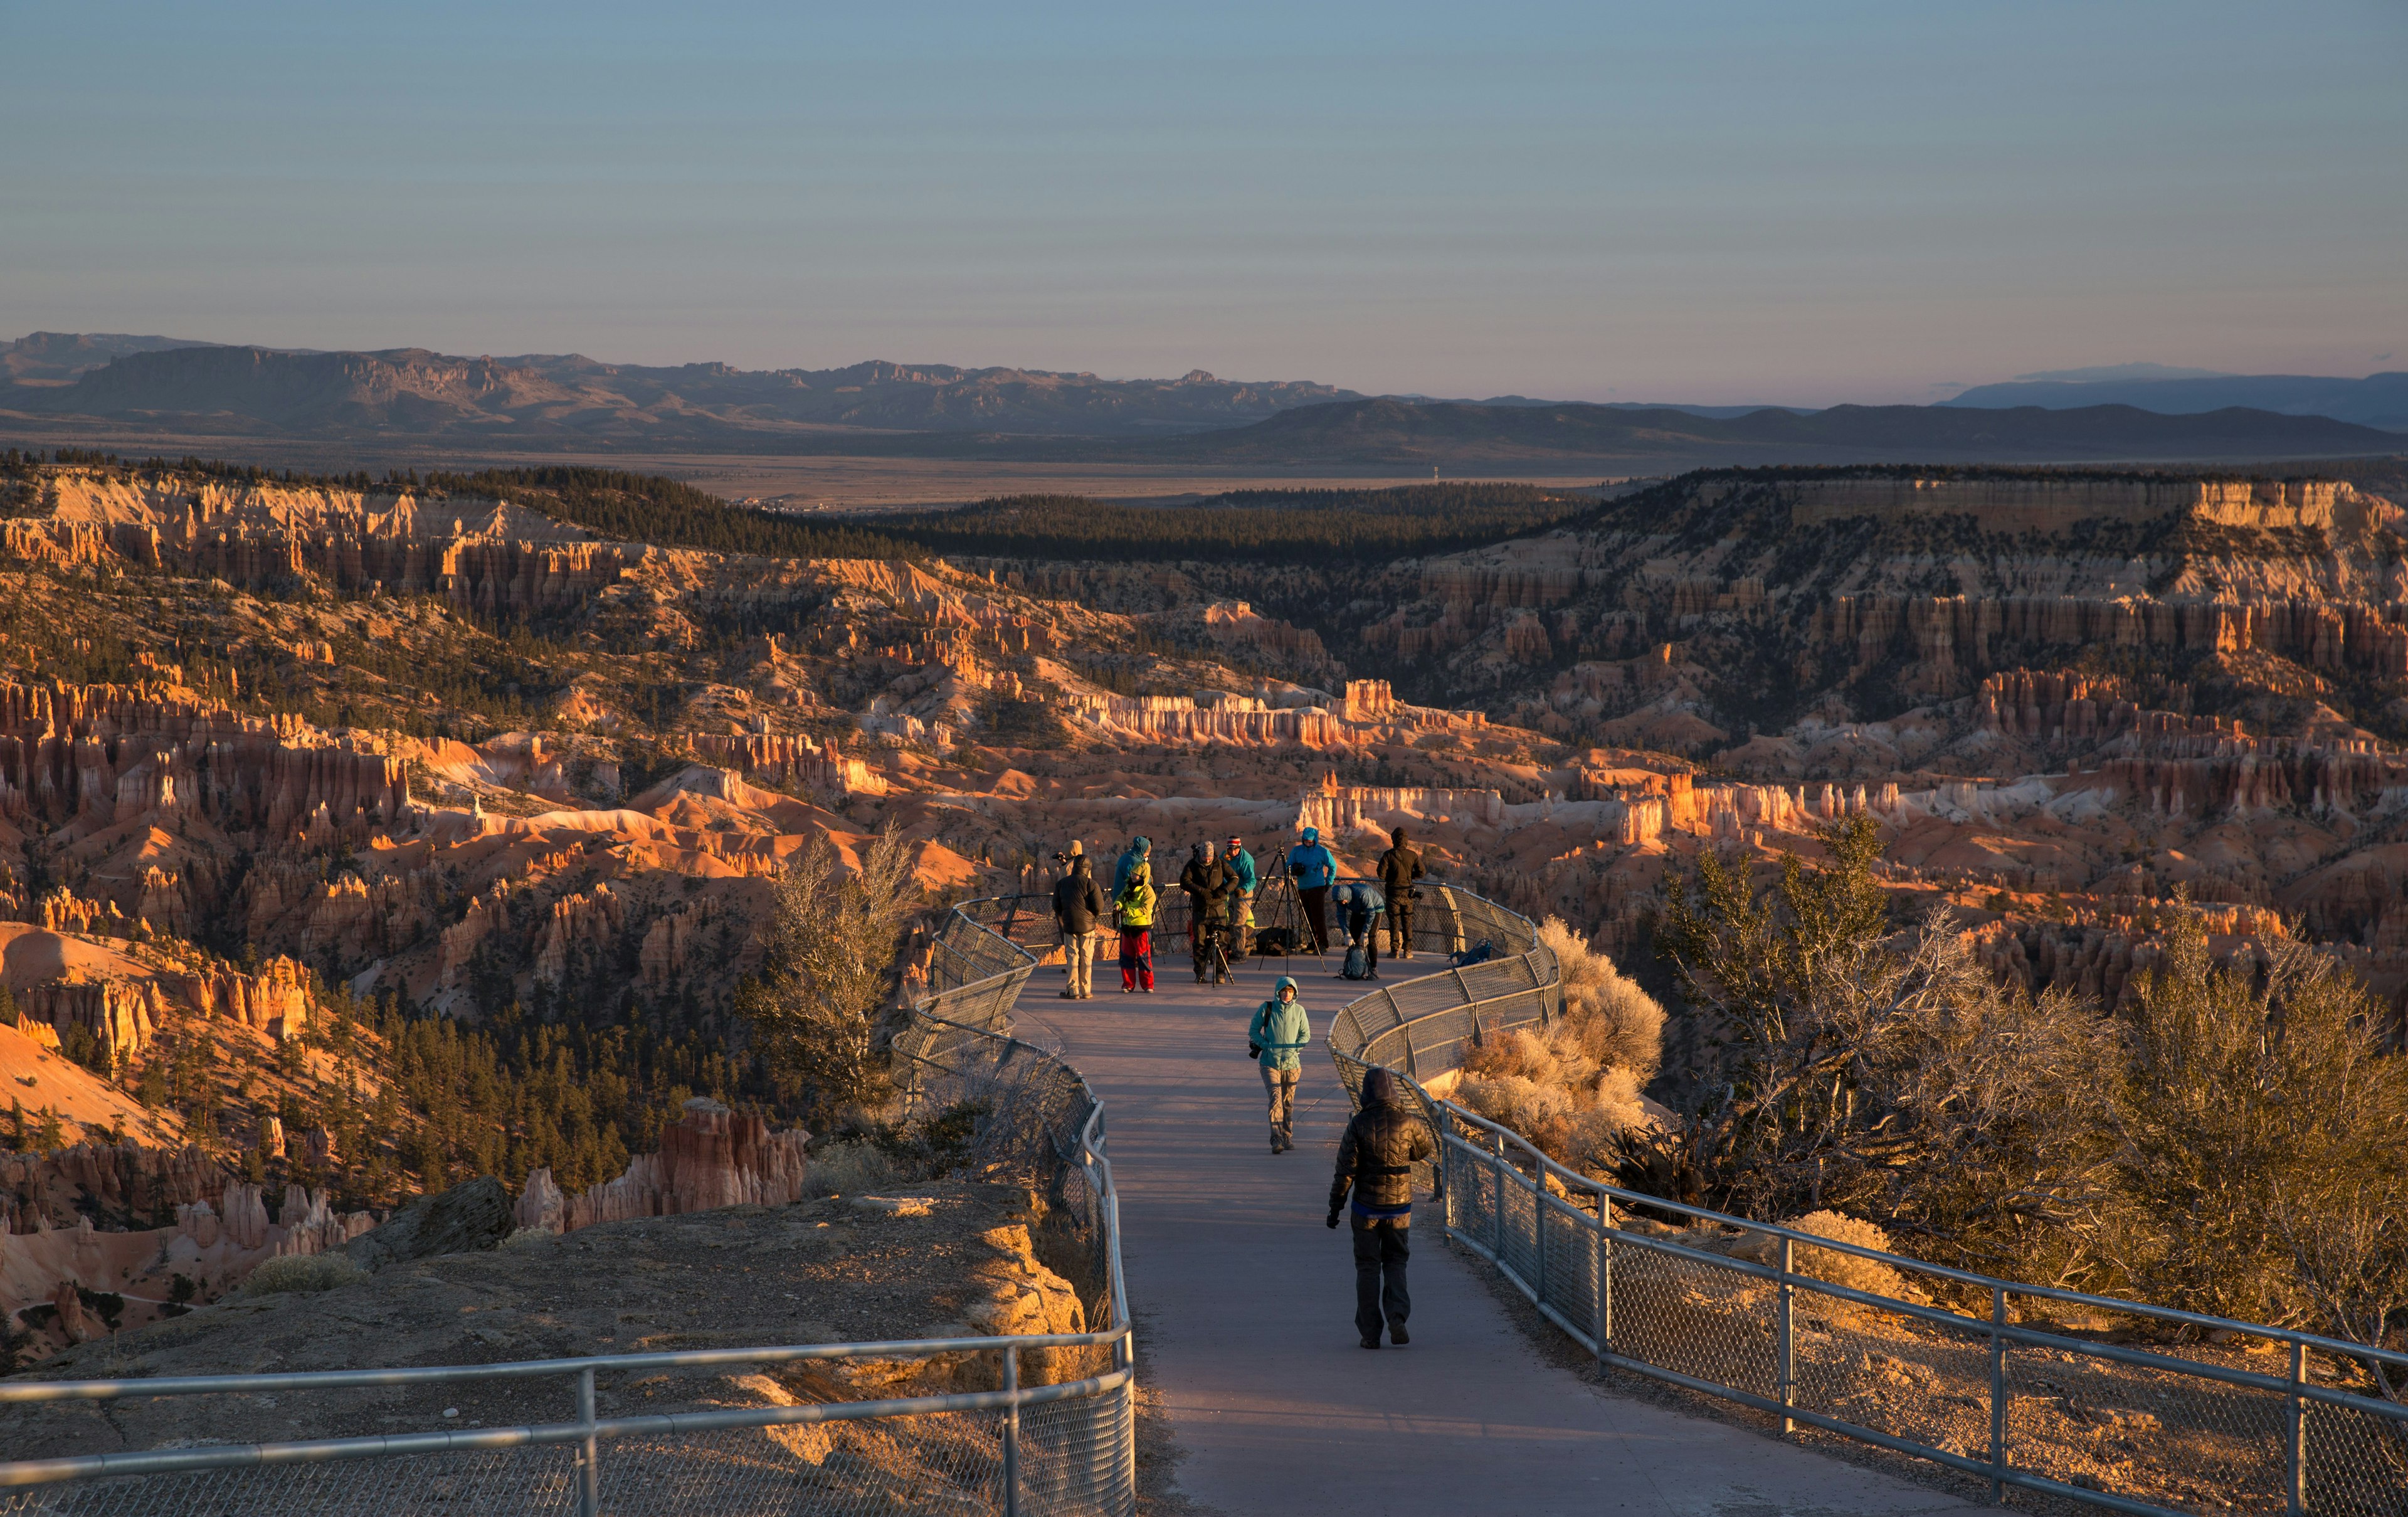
x=1250 y=1300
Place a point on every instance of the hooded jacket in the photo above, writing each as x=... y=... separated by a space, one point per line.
x=1360 y=903
x=1376 y=1157
x=1400 y=866
x=1077 y=900
x=1313 y=866
x=1242 y=865
x=1139 y=850
x=1207 y=883
x=1280 y=1029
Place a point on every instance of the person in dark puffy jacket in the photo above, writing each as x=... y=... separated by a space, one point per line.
x=1375 y=1162
x=1400 y=866
x=1207 y=883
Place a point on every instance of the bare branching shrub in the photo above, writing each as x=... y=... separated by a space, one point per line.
x=1616 y=1024
x=821 y=1006
x=1886 y=1074
x=301 y=1272
x=2266 y=1133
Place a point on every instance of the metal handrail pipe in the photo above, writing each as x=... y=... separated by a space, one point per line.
x=107 y=1390
x=470 y=1440
x=1956 y=1320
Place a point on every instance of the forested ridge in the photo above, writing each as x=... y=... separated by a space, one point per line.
x=1242 y=526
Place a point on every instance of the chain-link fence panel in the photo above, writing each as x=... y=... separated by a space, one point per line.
x=2172 y=1428
x=531 y=1480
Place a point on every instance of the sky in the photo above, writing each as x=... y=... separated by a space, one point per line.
x=1760 y=202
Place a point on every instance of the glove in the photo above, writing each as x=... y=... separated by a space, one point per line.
x=1254 y=1050
x=1333 y=1219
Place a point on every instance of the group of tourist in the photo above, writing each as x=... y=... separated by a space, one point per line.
x=1373 y=1181
x=1221 y=882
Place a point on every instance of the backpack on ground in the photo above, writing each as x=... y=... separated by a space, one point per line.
x=1358 y=962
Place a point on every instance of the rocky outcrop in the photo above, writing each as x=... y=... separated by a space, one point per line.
x=124 y=1182
x=790 y=760
x=472 y=1215
x=2048 y=505
x=1336 y=809
x=711 y=1156
x=96 y=755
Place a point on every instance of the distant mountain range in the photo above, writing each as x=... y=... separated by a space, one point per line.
x=2379 y=400
x=1391 y=432
x=410 y=391
x=121 y=390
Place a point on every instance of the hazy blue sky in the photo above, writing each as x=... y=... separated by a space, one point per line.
x=1785 y=200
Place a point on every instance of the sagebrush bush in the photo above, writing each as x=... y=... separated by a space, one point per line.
x=1614 y=1021
x=851 y=1169
x=303 y=1272
x=1823 y=1263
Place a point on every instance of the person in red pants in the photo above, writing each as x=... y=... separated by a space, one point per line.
x=1133 y=912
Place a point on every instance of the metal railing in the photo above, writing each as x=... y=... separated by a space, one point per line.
x=2032 y=1388
x=1015 y=1448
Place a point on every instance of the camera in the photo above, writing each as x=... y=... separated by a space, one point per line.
x=1062 y=860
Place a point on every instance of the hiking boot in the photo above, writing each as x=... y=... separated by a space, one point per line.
x=1371 y=1342
x=1397 y=1335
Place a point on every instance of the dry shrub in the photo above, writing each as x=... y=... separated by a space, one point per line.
x=858 y=1169
x=1614 y=1021
x=303 y=1272
x=1545 y=1084
x=1844 y=1269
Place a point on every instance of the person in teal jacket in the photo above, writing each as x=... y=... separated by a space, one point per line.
x=1314 y=870
x=1277 y=1037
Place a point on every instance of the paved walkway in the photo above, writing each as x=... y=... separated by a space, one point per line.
x=1250 y=1304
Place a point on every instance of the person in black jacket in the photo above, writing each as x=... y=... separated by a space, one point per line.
x=1208 y=883
x=1079 y=907
x=1400 y=866
x=1375 y=1160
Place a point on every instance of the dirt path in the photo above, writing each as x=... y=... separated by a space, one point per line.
x=1251 y=1302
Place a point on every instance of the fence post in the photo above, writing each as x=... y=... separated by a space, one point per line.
x=2295 y=1435
x=1790 y=1340
x=1011 y=1434
x=1497 y=1198
x=1605 y=1275
x=1538 y=1227
x=589 y=1457
x=1997 y=1393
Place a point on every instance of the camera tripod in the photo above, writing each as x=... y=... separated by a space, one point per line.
x=1213 y=956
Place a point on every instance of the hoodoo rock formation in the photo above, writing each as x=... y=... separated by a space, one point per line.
x=709 y=1157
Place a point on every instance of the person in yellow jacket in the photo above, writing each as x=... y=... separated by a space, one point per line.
x=1133 y=913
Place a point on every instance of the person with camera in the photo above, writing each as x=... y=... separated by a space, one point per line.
x=1277 y=1037
x=1314 y=868
x=1207 y=883
x=1079 y=907
x=1400 y=867
x=1375 y=1162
